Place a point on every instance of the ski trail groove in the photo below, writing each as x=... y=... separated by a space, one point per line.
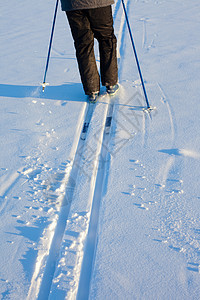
x=81 y=231
x=69 y=264
x=119 y=17
x=89 y=253
x=90 y=247
x=63 y=216
x=171 y=161
x=47 y=257
x=144 y=37
x=170 y=112
x=116 y=9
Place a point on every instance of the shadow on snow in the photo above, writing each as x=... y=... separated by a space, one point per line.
x=67 y=92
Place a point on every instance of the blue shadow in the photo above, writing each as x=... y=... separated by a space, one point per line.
x=171 y=151
x=66 y=92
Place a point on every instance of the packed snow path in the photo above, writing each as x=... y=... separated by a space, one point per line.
x=112 y=213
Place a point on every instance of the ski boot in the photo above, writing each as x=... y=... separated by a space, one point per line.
x=112 y=89
x=92 y=98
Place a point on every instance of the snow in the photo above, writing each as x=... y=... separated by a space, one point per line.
x=114 y=216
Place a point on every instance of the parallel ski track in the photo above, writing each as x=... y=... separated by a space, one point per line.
x=46 y=282
x=45 y=286
x=90 y=248
x=89 y=253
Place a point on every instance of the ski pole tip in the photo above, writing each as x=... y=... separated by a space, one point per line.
x=44 y=84
x=149 y=109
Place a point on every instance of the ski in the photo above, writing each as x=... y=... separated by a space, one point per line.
x=90 y=110
x=109 y=117
x=88 y=117
x=112 y=94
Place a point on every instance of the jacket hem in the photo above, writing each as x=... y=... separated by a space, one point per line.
x=64 y=8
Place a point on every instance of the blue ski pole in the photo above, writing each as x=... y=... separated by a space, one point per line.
x=136 y=57
x=44 y=84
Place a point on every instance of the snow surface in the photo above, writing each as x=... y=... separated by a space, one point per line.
x=117 y=215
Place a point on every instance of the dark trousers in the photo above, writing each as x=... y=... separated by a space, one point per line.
x=86 y=25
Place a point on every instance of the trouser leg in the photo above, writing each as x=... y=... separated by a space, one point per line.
x=84 y=45
x=101 y=22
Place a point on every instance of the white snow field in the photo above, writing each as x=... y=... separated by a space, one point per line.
x=113 y=213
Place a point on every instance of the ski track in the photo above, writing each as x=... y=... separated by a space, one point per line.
x=90 y=247
x=87 y=236
x=144 y=38
x=89 y=253
x=48 y=269
x=119 y=34
x=46 y=260
x=171 y=160
x=48 y=256
x=81 y=214
x=170 y=113
x=145 y=132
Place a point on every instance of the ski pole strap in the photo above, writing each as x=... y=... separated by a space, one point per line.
x=50 y=43
x=135 y=53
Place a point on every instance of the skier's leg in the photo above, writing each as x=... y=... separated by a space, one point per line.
x=101 y=21
x=84 y=45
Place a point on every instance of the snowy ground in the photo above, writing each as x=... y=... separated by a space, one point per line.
x=114 y=216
